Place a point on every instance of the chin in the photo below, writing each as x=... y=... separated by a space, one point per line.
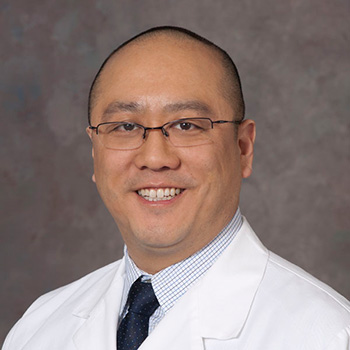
x=158 y=238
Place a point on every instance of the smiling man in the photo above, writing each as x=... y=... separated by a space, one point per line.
x=170 y=148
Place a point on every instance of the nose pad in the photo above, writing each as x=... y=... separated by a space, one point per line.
x=147 y=131
x=165 y=133
x=164 y=136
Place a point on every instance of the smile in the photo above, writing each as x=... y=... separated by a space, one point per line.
x=159 y=194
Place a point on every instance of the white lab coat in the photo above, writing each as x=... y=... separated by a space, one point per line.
x=250 y=299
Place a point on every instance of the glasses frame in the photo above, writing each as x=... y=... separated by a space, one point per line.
x=162 y=128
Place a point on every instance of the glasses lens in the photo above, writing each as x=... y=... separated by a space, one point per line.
x=121 y=135
x=189 y=132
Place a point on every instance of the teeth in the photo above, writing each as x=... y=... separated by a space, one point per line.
x=159 y=194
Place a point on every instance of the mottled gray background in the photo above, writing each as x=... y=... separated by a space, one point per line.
x=294 y=60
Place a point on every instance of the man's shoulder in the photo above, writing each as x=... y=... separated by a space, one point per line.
x=288 y=289
x=284 y=282
x=291 y=306
x=299 y=282
x=61 y=303
x=93 y=281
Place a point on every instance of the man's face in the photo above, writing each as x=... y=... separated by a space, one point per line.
x=151 y=83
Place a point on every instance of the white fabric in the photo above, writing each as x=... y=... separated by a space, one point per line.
x=250 y=299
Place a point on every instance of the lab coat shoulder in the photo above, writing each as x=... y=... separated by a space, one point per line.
x=312 y=295
x=293 y=308
x=78 y=298
x=301 y=284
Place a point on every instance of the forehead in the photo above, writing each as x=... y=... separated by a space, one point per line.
x=161 y=70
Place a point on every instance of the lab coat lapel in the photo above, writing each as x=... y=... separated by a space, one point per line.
x=178 y=329
x=226 y=293
x=217 y=306
x=100 y=315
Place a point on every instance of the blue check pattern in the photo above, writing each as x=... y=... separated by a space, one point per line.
x=174 y=281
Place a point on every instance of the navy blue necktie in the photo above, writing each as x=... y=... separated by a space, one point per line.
x=133 y=329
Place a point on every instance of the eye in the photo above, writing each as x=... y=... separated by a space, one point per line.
x=123 y=127
x=187 y=125
x=127 y=126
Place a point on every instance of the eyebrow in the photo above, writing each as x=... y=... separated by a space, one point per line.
x=118 y=106
x=196 y=106
x=135 y=107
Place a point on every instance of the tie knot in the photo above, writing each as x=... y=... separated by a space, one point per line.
x=142 y=299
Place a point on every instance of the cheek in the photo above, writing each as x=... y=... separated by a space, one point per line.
x=225 y=158
x=225 y=173
x=109 y=167
x=215 y=166
x=101 y=167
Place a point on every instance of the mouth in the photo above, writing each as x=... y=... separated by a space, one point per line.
x=159 y=194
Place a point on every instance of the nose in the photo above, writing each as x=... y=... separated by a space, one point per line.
x=156 y=153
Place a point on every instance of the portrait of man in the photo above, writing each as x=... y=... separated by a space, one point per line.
x=170 y=147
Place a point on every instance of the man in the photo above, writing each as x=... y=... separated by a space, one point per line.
x=170 y=149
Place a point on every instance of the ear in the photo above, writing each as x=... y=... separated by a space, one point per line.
x=246 y=138
x=89 y=132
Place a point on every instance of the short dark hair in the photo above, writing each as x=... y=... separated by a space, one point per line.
x=232 y=89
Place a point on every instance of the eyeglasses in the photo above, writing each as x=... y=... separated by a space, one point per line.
x=184 y=132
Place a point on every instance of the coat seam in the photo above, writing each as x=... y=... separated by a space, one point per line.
x=309 y=281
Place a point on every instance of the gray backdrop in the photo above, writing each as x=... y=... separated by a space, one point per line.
x=293 y=56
